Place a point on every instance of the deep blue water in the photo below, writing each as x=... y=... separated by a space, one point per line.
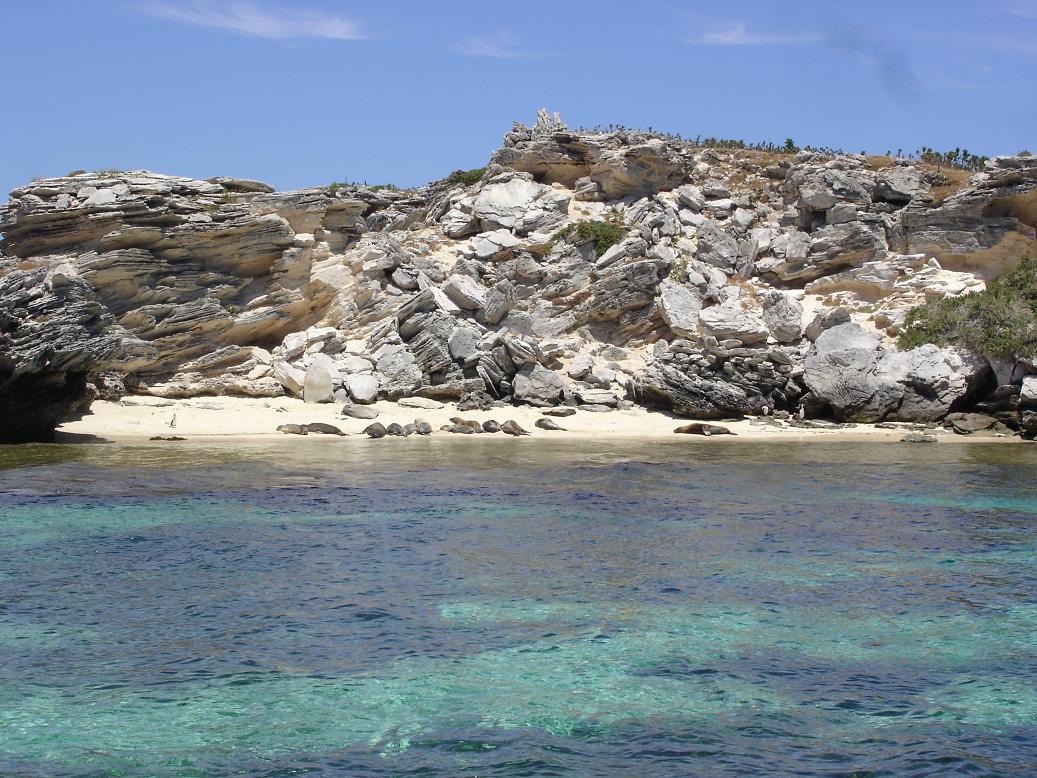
x=508 y=608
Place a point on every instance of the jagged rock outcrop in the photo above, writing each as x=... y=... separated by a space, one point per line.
x=858 y=380
x=53 y=334
x=736 y=281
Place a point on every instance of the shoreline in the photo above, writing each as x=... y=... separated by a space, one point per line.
x=137 y=419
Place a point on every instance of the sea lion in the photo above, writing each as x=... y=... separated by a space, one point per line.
x=547 y=424
x=422 y=427
x=474 y=426
x=408 y=430
x=293 y=429
x=511 y=428
x=703 y=429
x=376 y=430
x=395 y=430
x=490 y=426
x=460 y=429
x=323 y=429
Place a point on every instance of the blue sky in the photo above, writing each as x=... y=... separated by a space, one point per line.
x=306 y=92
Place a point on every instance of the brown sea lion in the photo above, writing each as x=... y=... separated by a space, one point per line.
x=490 y=426
x=323 y=429
x=474 y=426
x=511 y=428
x=376 y=430
x=460 y=429
x=293 y=429
x=547 y=424
x=703 y=429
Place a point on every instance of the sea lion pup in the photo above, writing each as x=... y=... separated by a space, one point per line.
x=703 y=429
x=547 y=424
x=511 y=428
x=323 y=429
x=408 y=430
x=395 y=430
x=293 y=429
x=474 y=426
x=376 y=430
x=422 y=427
x=490 y=426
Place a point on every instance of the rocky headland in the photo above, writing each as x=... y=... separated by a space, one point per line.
x=599 y=271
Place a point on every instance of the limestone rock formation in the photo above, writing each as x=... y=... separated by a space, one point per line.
x=730 y=282
x=53 y=334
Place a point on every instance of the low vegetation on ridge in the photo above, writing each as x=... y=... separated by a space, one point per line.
x=999 y=322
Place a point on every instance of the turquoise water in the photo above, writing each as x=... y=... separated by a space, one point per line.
x=443 y=607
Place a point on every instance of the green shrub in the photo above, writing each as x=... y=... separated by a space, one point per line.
x=74 y=173
x=605 y=234
x=466 y=177
x=1000 y=321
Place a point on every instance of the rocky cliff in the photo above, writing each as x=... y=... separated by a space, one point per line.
x=587 y=268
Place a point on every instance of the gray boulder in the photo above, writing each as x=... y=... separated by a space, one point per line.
x=860 y=381
x=731 y=320
x=679 y=306
x=318 y=385
x=362 y=387
x=538 y=386
x=784 y=316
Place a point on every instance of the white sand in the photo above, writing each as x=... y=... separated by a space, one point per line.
x=139 y=418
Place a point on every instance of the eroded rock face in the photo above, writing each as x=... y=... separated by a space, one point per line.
x=53 y=333
x=861 y=381
x=470 y=291
x=988 y=225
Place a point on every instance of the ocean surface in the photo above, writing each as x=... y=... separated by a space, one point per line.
x=445 y=607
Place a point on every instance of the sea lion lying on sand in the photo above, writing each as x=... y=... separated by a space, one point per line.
x=460 y=429
x=323 y=429
x=511 y=428
x=395 y=430
x=547 y=424
x=474 y=426
x=422 y=427
x=490 y=426
x=293 y=429
x=703 y=429
x=376 y=430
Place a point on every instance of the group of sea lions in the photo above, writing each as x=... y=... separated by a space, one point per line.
x=462 y=427
x=317 y=427
x=394 y=430
x=417 y=427
x=473 y=427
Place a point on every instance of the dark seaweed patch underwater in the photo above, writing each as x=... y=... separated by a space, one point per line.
x=497 y=609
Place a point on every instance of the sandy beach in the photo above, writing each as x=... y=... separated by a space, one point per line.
x=139 y=418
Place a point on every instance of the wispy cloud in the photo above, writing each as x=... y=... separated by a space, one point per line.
x=888 y=58
x=245 y=18
x=1027 y=9
x=738 y=34
x=500 y=45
